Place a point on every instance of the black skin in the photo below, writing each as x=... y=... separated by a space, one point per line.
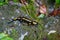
x=25 y=21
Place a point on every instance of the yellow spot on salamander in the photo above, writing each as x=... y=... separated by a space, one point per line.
x=15 y=18
x=34 y=23
x=26 y=19
x=19 y=18
x=29 y=23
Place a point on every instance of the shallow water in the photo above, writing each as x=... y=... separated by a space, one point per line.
x=16 y=30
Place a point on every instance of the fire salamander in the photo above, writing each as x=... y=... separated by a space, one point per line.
x=25 y=20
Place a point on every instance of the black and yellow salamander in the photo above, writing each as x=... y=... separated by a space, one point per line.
x=25 y=20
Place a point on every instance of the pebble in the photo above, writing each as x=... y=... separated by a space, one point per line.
x=23 y=35
x=12 y=17
x=3 y=18
x=51 y=31
x=17 y=11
